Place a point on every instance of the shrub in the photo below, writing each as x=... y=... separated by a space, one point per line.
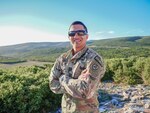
x=26 y=90
x=146 y=73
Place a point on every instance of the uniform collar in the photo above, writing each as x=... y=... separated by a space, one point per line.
x=78 y=54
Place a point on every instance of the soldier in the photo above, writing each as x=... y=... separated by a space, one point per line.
x=77 y=74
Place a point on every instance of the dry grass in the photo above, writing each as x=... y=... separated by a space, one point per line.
x=28 y=63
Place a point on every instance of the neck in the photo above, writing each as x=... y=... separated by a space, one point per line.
x=75 y=50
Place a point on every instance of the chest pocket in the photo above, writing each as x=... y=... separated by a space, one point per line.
x=78 y=68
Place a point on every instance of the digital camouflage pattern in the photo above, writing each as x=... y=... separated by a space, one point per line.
x=78 y=78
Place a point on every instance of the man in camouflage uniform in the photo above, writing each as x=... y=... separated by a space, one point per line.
x=77 y=74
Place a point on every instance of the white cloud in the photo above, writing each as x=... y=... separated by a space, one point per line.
x=111 y=32
x=100 y=32
x=16 y=34
x=104 y=34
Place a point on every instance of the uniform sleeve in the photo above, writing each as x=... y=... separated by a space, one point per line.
x=54 y=83
x=87 y=83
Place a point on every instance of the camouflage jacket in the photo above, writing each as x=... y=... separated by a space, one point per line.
x=78 y=78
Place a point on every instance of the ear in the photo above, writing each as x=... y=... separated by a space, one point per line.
x=87 y=36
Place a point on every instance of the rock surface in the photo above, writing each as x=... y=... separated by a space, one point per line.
x=115 y=98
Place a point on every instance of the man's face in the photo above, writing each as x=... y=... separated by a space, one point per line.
x=78 y=36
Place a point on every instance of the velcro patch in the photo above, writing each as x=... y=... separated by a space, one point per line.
x=99 y=60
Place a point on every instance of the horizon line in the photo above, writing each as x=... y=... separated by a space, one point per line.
x=68 y=40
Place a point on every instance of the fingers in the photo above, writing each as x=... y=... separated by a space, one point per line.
x=84 y=71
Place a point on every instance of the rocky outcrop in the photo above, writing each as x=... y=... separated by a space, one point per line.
x=124 y=99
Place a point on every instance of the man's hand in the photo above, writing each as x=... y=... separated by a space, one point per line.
x=84 y=75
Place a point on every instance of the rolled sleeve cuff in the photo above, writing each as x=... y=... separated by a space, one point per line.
x=62 y=79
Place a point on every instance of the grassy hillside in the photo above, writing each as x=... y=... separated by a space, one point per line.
x=124 y=42
x=10 y=60
x=122 y=47
x=28 y=47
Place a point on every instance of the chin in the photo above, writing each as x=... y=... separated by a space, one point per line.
x=77 y=44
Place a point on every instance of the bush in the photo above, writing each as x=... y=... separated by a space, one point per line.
x=146 y=73
x=130 y=71
x=108 y=74
x=26 y=90
x=142 y=66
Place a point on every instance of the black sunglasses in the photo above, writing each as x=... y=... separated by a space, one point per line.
x=79 y=32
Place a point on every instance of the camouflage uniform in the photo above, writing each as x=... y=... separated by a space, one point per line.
x=77 y=77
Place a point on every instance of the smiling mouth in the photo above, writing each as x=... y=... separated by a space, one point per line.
x=77 y=41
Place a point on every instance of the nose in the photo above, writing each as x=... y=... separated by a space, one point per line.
x=76 y=36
